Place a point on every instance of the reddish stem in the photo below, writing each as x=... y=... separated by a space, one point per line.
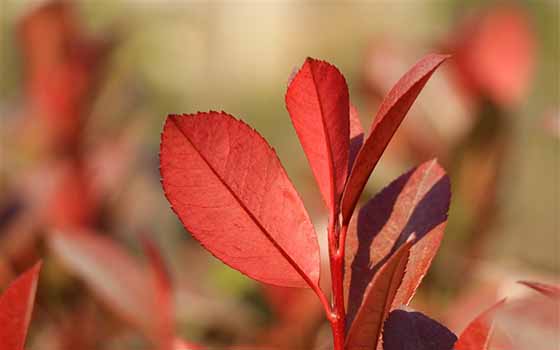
x=336 y=257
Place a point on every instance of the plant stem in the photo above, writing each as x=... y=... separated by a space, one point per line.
x=336 y=257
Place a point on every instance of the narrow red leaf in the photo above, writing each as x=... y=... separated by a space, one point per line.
x=550 y=290
x=415 y=203
x=318 y=102
x=477 y=334
x=165 y=318
x=390 y=115
x=356 y=136
x=229 y=189
x=405 y=330
x=365 y=331
x=116 y=278
x=16 y=306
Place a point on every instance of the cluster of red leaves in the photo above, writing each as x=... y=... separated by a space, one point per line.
x=402 y=328
x=62 y=67
x=229 y=189
x=494 y=51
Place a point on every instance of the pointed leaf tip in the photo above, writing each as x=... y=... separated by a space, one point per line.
x=16 y=307
x=550 y=290
x=379 y=297
x=391 y=113
x=229 y=189
x=318 y=103
x=476 y=335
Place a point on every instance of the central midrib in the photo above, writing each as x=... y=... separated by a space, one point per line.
x=275 y=244
x=328 y=141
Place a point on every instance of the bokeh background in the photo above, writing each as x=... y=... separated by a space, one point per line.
x=85 y=89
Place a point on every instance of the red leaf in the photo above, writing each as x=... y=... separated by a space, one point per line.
x=229 y=189
x=413 y=330
x=550 y=290
x=165 y=321
x=495 y=54
x=318 y=103
x=365 y=331
x=390 y=115
x=415 y=203
x=477 y=334
x=113 y=276
x=16 y=306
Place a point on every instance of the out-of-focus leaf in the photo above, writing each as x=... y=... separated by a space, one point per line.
x=365 y=330
x=72 y=202
x=229 y=189
x=415 y=203
x=477 y=334
x=165 y=317
x=356 y=136
x=117 y=279
x=318 y=102
x=16 y=306
x=550 y=290
x=406 y=330
x=63 y=69
x=531 y=322
x=298 y=314
x=390 y=115
x=494 y=54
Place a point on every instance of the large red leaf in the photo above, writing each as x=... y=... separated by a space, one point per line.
x=477 y=334
x=415 y=203
x=391 y=113
x=405 y=330
x=16 y=306
x=365 y=331
x=115 y=277
x=229 y=189
x=550 y=290
x=318 y=103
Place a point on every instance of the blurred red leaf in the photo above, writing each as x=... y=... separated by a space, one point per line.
x=494 y=54
x=16 y=307
x=318 y=102
x=229 y=189
x=531 y=322
x=365 y=330
x=550 y=290
x=405 y=330
x=62 y=70
x=477 y=334
x=415 y=203
x=165 y=319
x=117 y=279
x=390 y=115
x=72 y=203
